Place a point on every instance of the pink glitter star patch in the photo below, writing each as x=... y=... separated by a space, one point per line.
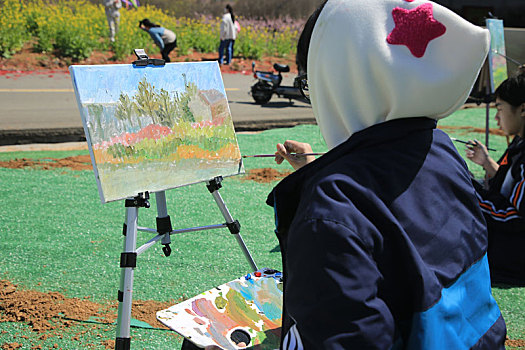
x=415 y=28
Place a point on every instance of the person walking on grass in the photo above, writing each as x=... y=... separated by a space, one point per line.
x=228 y=34
x=164 y=38
x=503 y=201
x=113 y=16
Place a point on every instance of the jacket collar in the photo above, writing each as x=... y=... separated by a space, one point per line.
x=517 y=144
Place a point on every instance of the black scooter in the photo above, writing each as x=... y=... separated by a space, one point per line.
x=269 y=83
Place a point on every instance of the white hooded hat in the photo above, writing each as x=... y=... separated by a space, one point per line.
x=371 y=61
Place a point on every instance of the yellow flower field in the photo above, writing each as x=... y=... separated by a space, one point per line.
x=75 y=28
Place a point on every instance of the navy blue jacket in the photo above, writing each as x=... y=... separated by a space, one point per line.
x=384 y=246
x=505 y=216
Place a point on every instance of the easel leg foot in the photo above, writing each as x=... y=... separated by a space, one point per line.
x=123 y=344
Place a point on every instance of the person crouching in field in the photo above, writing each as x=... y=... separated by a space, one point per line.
x=503 y=202
x=384 y=245
x=165 y=39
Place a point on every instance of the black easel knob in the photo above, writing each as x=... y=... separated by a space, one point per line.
x=139 y=201
x=166 y=249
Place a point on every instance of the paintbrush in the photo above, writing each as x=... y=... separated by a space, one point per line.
x=469 y=143
x=291 y=154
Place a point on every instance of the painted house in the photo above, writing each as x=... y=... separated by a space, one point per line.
x=208 y=105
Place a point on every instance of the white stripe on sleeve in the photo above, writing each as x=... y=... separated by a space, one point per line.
x=293 y=341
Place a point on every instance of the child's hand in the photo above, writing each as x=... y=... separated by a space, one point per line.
x=477 y=152
x=296 y=161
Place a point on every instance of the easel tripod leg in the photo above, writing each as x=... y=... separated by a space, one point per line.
x=128 y=261
x=234 y=226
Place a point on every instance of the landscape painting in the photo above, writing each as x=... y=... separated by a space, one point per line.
x=157 y=127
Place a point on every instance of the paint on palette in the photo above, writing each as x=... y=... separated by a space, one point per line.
x=252 y=305
x=155 y=128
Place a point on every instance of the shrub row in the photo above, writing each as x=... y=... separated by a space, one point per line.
x=75 y=28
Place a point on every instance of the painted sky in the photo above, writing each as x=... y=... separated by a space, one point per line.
x=104 y=83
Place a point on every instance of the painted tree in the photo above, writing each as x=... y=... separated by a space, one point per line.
x=95 y=111
x=168 y=111
x=184 y=100
x=125 y=110
x=147 y=101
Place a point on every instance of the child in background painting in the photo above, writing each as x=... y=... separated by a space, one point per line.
x=503 y=202
x=382 y=238
x=165 y=39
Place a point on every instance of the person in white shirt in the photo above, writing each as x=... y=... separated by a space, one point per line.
x=113 y=16
x=227 y=35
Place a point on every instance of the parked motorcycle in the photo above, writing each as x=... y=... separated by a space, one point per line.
x=269 y=83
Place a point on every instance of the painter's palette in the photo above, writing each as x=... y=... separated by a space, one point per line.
x=248 y=310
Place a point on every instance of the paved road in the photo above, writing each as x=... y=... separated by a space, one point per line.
x=45 y=107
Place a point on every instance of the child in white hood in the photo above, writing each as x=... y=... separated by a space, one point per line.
x=382 y=238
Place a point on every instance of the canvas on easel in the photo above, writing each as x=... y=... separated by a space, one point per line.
x=496 y=58
x=155 y=128
x=497 y=66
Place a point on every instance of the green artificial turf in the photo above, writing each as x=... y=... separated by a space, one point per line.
x=57 y=236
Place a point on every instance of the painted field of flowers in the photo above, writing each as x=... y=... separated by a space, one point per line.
x=155 y=128
x=75 y=28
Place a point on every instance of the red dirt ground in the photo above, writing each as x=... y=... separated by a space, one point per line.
x=265 y=175
x=83 y=162
x=75 y=163
x=518 y=343
x=47 y=313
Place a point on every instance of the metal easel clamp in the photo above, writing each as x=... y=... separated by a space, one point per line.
x=215 y=184
x=234 y=227
x=128 y=259
x=139 y=201
x=164 y=225
x=143 y=59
